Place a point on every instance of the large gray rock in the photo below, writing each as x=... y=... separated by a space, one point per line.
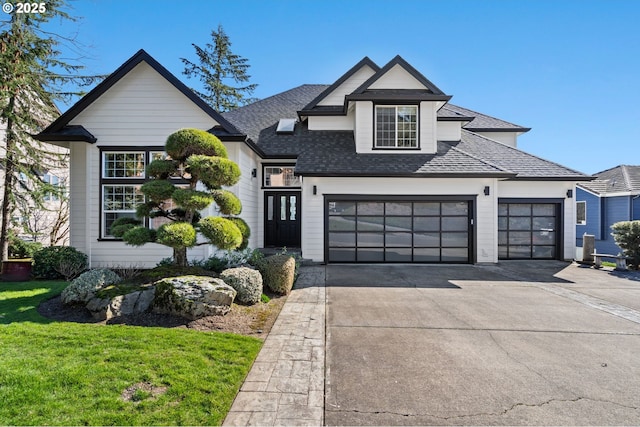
x=246 y=281
x=193 y=297
x=122 y=305
x=83 y=288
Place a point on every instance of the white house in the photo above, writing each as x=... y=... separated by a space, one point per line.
x=377 y=167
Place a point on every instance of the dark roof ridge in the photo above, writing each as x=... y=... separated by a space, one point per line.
x=398 y=60
x=364 y=61
x=140 y=56
x=522 y=151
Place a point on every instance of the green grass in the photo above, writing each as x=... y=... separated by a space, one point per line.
x=56 y=373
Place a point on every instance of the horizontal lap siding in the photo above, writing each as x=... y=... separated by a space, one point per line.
x=142 y=109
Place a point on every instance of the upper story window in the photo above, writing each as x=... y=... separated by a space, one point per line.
x=581 y=213
x=55 y=182
x=281 y=176
x=396 y=126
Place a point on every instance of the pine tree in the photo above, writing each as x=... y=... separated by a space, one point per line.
x=216 y=67
x=32 y=77
x=195 y=156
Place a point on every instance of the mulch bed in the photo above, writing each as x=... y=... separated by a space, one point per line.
x=255 y=321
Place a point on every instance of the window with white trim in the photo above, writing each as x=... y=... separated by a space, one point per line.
x=119 y=201
x=581 y=213
x=396 y=126
x=55 y=181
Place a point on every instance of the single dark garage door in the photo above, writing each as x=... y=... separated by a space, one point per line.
x=391 y=230
x=528 y=230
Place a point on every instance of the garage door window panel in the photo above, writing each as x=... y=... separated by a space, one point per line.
x=371 y=223
x=455 y=240
x=454 y=255
x=426 y=223
x=426 y=240
x=398 y=254
x=455 y=223
x=342 y=223
x=371 y=254
x=342 y=255
x=370 y=240
x=394 y=223
x=370 y=208
x=398 y=239
x=342 y=239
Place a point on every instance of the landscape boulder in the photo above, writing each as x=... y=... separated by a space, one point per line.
x=83 y=288
x=193 y=297
x=246 y=281
x=122 y=305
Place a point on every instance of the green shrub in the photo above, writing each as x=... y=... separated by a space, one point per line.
x=47 y=261
x=278 y=273
x=19 y=248
x=264 y=298
x=186 y=142
x=246 y=281
x=222 y=232
x=228 y=202
x=215 y=264
x=173 y=270
x=83 y=288
x=177 y=235
x=627 y=235
x=192 y=199
x=244 y=230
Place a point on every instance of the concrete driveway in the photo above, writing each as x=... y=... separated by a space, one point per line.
x=518 y=343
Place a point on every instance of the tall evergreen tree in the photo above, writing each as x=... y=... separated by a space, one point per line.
x=32 y=76
x=217 y=67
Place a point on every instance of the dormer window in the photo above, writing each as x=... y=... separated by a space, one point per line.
x=396 y=126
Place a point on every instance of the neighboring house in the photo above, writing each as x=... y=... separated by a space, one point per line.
x=377 y=167
x=48 y=225
x=614 y=196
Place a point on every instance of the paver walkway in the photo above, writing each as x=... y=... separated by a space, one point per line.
x=286 y=383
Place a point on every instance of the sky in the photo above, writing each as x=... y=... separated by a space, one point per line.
x=567 y=69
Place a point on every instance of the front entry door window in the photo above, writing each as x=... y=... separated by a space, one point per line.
x=282 y=219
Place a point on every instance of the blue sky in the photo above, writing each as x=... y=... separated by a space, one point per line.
x=567 y=69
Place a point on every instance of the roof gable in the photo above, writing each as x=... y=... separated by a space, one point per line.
x=398 y=74
x=345 y=84
x=56 y=129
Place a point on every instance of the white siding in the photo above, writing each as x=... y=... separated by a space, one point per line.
x=313 y=206
x=551 y=189
x=397 y=78
x=427 y=127
x=141 y=109
x=336 y=97
x=363 y=132
x=332 y=122
x=508 y=138
x=449 y=131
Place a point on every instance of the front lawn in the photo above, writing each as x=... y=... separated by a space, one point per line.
x=57 y=373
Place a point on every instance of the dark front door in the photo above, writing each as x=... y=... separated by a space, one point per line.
x=282 y=219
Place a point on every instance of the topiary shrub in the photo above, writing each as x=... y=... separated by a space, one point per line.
x=627 y=235
x=246 y=281
x=84 y=287
x=278 y=273
x=47 y=261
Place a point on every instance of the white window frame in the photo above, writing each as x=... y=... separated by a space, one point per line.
x=136 y=152
x=416 y=144
x=116 y=211
x=583 y=222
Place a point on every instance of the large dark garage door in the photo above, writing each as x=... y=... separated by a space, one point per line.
x=383 y=230
x=528 y=230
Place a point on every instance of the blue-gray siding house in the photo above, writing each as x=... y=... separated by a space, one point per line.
x=614 y=196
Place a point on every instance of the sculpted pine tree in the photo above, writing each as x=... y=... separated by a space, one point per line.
x=33 y=75
x=216 y=67
x=196 y=157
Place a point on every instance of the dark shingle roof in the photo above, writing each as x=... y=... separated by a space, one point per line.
x=623 y=178
x=481 y=121
x=253 y=118
x=333 y=152
x=525 y=165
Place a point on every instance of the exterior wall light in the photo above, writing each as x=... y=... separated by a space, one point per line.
x=487 y=190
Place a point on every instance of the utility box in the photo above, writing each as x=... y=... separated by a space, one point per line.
x=588 y=247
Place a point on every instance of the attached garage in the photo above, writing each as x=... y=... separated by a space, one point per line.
x=377 y=229
x=529 y=229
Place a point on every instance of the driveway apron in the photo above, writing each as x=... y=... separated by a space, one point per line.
x=518 y=343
